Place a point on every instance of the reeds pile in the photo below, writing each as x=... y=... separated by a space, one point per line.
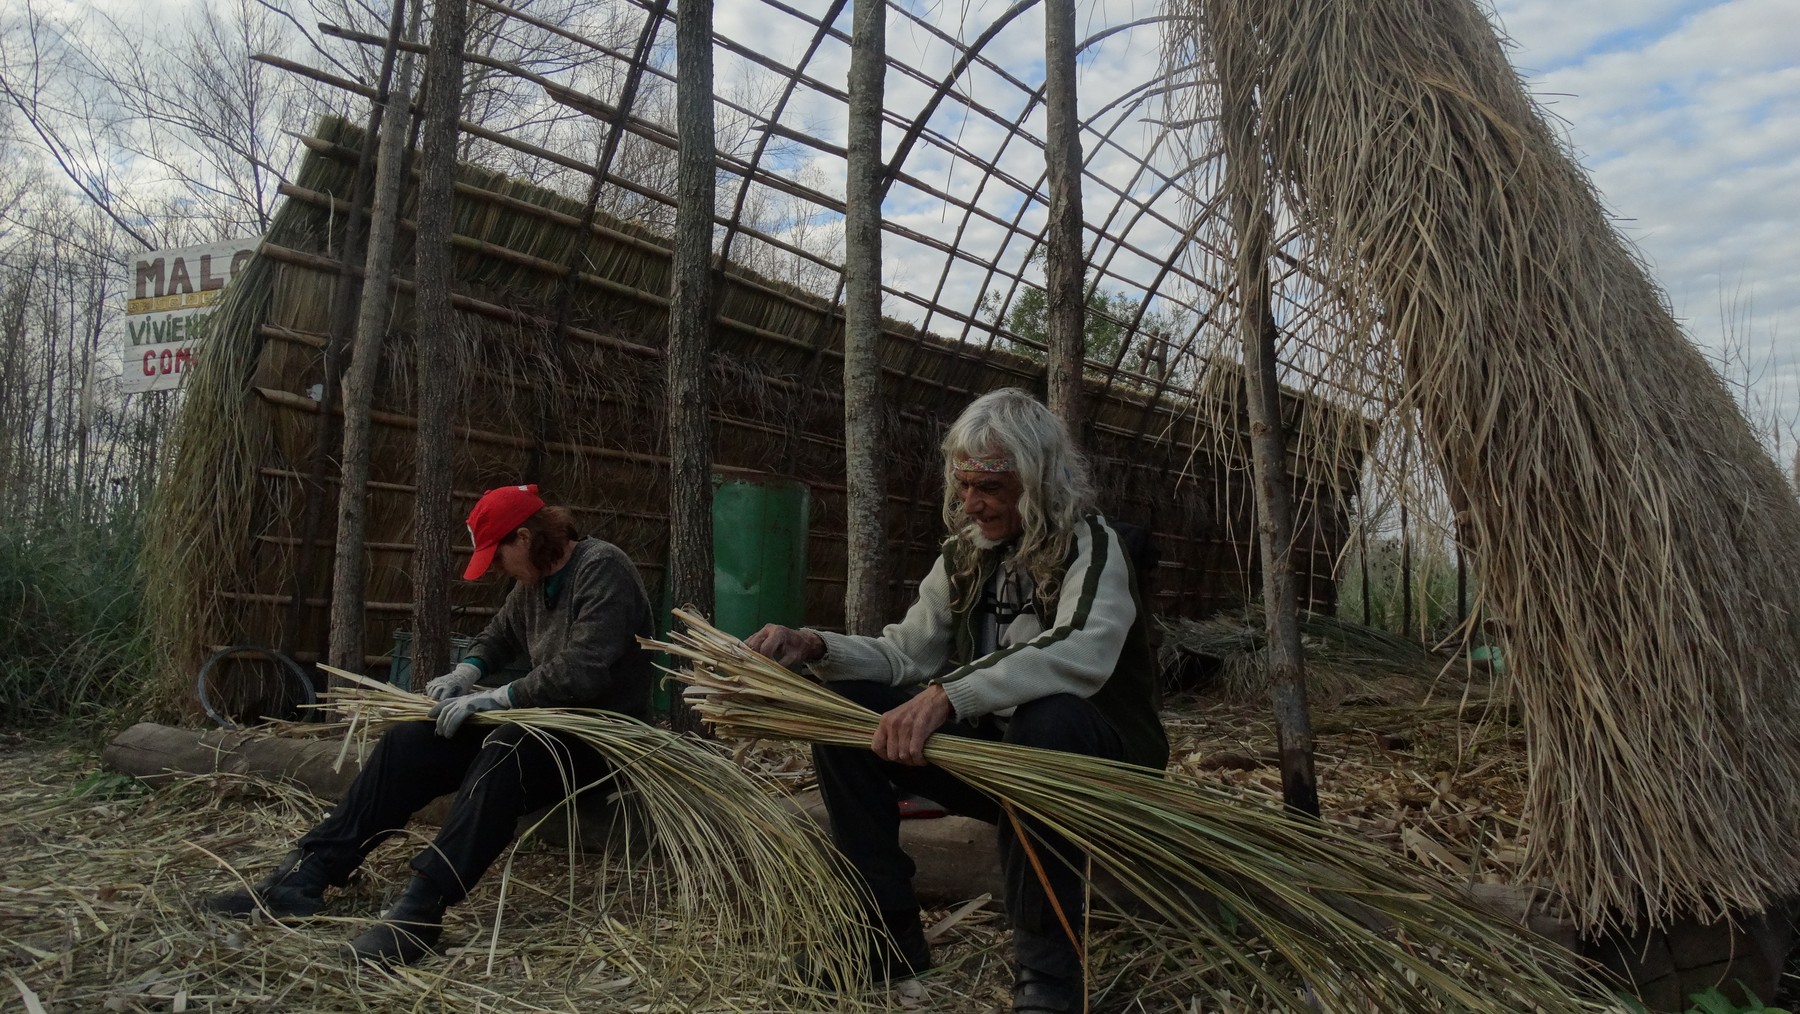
x=1344 y=660
x=1637 y=545
x=1288 y=912
x=749 y=885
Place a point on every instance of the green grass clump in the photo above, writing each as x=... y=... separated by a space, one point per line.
x=72 y=647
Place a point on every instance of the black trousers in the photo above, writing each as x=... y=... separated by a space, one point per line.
x=498 y=774
x=862 y=794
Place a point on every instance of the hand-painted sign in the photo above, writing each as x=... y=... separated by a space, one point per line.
x=170 y=298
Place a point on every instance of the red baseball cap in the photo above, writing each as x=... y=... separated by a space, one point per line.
x=496 y=515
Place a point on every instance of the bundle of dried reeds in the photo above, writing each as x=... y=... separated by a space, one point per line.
x=1636 y=542
x=753 y=885
x=1314 y=914
x=1344 y=660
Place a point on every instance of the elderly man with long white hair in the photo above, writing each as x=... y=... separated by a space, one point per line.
x=1027 y=630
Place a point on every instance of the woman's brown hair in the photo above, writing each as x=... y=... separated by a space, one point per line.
x=552 y=529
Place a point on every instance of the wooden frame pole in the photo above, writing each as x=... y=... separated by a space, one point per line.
x=865 y=597
x=1063 y=267
x=690 y=576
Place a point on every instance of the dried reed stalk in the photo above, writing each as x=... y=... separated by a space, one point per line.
x=1314 y=913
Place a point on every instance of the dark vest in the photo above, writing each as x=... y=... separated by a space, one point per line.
x=1129 y=699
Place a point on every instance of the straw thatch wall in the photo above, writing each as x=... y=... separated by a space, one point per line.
x=582 y=416
x=1637 y=544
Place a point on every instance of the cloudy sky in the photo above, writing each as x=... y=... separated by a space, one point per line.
x=1687 y=114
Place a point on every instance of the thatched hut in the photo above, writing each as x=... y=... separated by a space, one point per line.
x=583 y=416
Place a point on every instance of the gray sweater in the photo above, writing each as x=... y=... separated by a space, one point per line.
x=582 y=643
x=1096 y=646
x=1075 y=654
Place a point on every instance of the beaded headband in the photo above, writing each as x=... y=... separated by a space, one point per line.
x=988 y=463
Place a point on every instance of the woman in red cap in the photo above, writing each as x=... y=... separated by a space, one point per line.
x=575 y=612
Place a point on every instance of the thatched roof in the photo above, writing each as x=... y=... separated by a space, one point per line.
x=1630 y=536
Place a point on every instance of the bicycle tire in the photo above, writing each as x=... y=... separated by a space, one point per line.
x=299 y=687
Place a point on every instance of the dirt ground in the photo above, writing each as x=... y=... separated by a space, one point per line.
x=100 y=876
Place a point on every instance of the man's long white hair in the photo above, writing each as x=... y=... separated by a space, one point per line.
x=1057 y=490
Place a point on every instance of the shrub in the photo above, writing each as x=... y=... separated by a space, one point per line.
x=72 y=646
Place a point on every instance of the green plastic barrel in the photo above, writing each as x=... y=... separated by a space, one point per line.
x=759 y=558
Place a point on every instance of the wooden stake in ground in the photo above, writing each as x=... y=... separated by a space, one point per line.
x=865 y=596
x=1062 y=234
x=436 y=339
x=1247 y=182
x=690 y=327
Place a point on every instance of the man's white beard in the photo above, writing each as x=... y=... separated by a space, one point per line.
x=972 y=532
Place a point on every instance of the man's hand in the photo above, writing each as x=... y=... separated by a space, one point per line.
x=454 y=683
x=452 y=713
x=786 y=645
x=903 y=731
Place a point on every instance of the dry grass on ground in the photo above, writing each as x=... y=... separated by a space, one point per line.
x=100 y=877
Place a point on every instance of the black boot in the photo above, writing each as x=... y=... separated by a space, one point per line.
x=408 y=931
x=296 y=888
x=1047 y=977
x=897 y=950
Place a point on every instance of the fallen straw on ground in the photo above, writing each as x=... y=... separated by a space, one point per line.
x=1278 y=906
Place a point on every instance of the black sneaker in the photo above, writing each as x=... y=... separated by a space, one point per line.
x=1048 y=977
x=1036 y=992
x=407 y=932
x=296 y=889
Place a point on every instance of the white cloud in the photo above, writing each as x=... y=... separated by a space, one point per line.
x=1687 y=116
x=1551 y=33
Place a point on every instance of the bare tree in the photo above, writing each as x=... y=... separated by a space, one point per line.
x=690 y=328
x=61 y=418
x=1246 y=181
x=346 y=644
x=135 y=114
x=436 y=325
x=37 y=59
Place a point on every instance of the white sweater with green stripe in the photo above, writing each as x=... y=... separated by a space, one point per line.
x=1076 y=654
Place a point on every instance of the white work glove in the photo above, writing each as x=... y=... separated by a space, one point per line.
x=452 y=713
x=454 y=683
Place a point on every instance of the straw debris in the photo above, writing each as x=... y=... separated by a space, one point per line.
x=100 y=902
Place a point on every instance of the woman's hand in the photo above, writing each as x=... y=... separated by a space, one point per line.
x=454 y=683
